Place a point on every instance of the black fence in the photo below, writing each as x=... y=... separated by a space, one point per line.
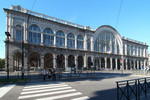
x=133 y=89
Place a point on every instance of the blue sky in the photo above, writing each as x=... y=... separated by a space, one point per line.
x=134 y=20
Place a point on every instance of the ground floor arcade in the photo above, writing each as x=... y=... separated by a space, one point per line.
x=37 y=58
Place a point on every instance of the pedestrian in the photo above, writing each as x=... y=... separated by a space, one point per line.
x=44 y=74
x=54 y=74
x=49 y=73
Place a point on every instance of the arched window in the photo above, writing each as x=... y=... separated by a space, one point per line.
x=117 y=48
x=18 y=33
x=60 y=38
x=89 y=44
x=34 y=34
x=96 y=46
x=108 y=46
x=48 y=37
x=70 y=40
x=80 y=42
x=102 y=46
x=113 y=47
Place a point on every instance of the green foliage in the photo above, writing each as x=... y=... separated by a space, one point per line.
x=2 y=63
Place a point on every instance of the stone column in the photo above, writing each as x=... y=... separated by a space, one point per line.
x=25 y=63
x=93 y=60
x=11 y=25
x=76 y=61
x=100 y=62
x=92 y=44
x=126 y=64
x=7 y=23
x=25 y=32
x=42 y=38
x=137 y=64
x=54 y=60
x=111 y=63
x=116 y=63
x=85 y=42
x=75 y=41
x=42 y=62
x=65 y=40
x=66 y=61
x=105 y=62
x=133 y=64
x=54 y=38
x=85 y=60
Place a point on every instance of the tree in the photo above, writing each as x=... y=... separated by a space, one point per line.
x=2 y=63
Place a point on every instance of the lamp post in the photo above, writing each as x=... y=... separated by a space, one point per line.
x=22 y=57
x=7 y=42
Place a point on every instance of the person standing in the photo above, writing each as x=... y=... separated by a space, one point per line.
x=44 y=74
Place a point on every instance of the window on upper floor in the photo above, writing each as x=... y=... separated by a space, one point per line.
x=60 y=39
x=128 y=50
x=70 y=40
x=124 y=49
x=80 y=42
x=48 y=37
x=139 y=51
x=135 y=51
x=113 y=47
x=89 y=44
x=34 y=34
x=96 y=46
x=131 y=50
x=19 y=33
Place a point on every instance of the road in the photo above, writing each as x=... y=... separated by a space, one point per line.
x=100 y=88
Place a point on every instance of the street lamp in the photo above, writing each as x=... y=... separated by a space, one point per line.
x=22 y=56
x=7 y=42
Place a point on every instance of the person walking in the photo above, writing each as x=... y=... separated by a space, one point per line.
x=54 y=74
x=44 y=74
x=49 y=74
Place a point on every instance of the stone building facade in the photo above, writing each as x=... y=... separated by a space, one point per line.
x=48 y=38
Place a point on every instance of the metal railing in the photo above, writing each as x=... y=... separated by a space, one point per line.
x=133 y=89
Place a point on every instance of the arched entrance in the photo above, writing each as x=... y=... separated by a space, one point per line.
x=34 y=60
x=97 y=63
x=136 y=64
x=89 y=62
x=113 y=63
x=80 y=62
x=103 y=63
x=128 y=63
x=71 y=61
x=132 y=64
x=139 y=64
x=124 y=64
x=48 y=61
x=61 y=63
x=17 y=61
x=118 y=64
x=108 y=63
